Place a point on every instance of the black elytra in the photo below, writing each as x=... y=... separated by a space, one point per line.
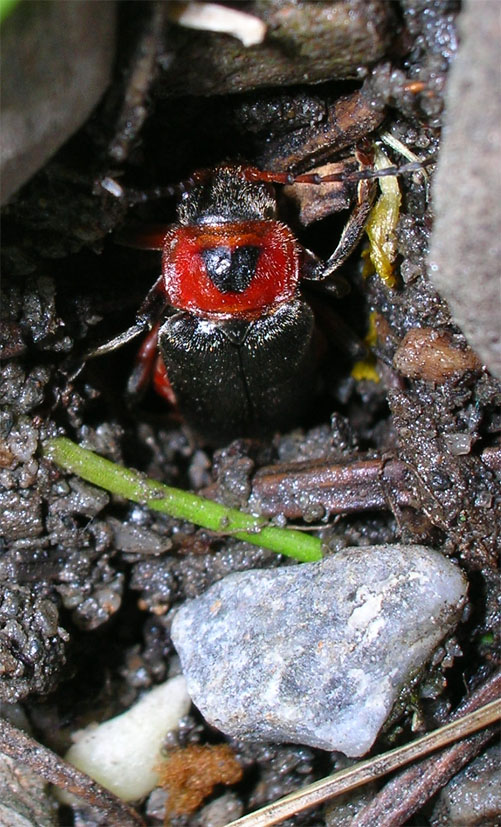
x=225 y=368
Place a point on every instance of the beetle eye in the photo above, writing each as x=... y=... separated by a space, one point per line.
x=231 y=271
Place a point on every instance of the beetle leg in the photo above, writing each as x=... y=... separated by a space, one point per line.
x=153 y=305
x=312 y=267
x=354 y=227
x=149 y=367
x=161 y=382
x=150 y=310
x=113 y=344
x=73 y=367
x=144 y=365
x=336 y=331
x=312 y=276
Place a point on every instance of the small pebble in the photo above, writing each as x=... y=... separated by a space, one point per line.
x=122 y=753
x=221 y=811
x=318 y=653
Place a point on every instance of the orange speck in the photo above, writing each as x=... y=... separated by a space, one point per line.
x=414 y=86
x=216 y=606
x=190 y=773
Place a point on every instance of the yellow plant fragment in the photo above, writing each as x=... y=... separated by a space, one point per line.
x=370 y=338
x=366 y=368
x=382 y=223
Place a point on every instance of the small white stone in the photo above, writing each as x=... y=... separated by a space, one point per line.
x=213 y=17
x=122 y=753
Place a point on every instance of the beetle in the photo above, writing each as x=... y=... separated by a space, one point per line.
x=233 y=340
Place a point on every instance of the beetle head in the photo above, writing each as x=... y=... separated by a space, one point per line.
x=226 y=195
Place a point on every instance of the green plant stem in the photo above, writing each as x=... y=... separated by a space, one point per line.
x=177 y=503
x=6 y=7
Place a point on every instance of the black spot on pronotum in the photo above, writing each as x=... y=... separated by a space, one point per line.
x=231 y=271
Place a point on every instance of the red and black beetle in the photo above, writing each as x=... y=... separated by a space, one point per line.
x=232 y=339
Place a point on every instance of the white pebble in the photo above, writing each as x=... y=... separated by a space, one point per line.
x=213 y=17
x=122 y=753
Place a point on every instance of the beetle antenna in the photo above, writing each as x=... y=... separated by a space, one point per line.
x=253 y=174
x=366 y=174
x=138 y=196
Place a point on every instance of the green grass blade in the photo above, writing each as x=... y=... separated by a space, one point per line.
x=6 y=7
x=179 y=504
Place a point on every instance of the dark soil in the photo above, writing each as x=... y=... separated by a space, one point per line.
x=89 y=581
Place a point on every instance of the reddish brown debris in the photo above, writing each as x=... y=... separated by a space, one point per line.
x=340 y=488
x=368 y=484
x=189 y=774
x=430 y=354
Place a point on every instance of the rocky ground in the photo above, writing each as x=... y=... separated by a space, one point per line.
x=400 y=449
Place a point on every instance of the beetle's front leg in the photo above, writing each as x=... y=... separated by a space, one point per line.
x=354 y=228
x=73 y=367
x=150 y=310
x=153 y=305
x=313 y=278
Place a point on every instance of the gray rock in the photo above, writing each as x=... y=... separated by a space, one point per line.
x=56 y=63
x=466 y=243
x=221 y=811
x=317 y=654
x=305 y=43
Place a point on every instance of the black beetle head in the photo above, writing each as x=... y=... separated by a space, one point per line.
x=225 y=196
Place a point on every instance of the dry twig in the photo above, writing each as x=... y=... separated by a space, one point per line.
x=365 y=771
x=52 y=768
x=410 y=790
x=341 y=488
